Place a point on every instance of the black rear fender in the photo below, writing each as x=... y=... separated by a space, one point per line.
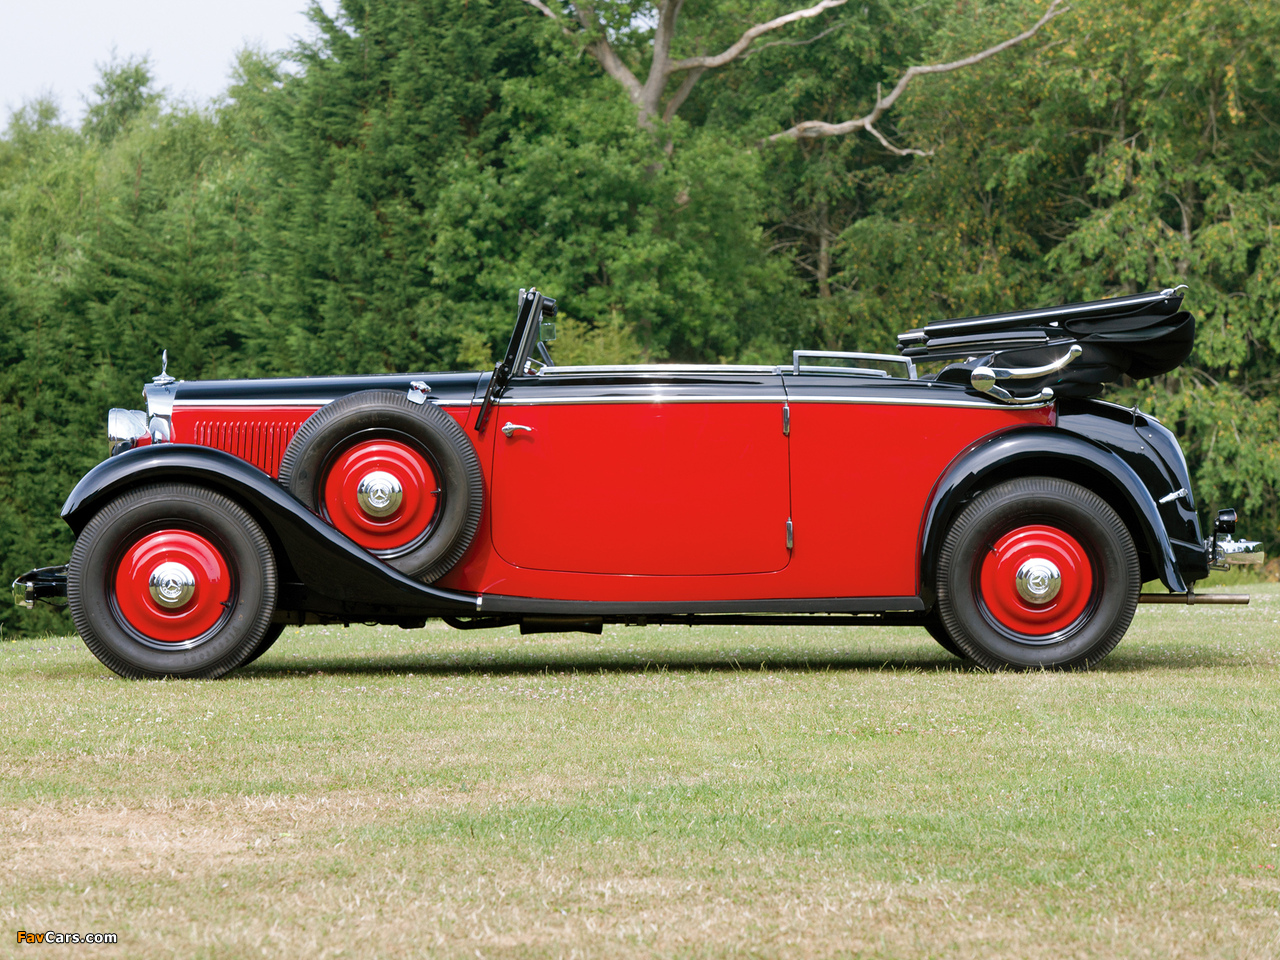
x=1048 y=452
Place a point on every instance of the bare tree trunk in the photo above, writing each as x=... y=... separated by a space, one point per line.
x=824 y=253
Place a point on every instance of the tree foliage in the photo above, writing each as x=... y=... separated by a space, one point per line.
x=370 y=200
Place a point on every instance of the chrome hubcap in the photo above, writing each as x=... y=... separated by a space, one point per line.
x=172 y=585
x=1038 y=580
x=379 y=494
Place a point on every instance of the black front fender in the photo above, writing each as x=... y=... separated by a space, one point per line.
x=1046 y=451
x=337 y=576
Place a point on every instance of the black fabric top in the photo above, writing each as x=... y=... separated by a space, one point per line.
x=1142 y=336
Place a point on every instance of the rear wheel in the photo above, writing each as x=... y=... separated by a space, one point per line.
x=172 y=580
x=1037 y=573
x=935 y=629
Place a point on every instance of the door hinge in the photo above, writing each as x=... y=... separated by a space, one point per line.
x=786 y=420
x=790 y=534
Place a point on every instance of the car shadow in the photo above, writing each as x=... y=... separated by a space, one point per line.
x=498 y=665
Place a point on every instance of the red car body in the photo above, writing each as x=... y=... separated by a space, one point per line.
x=1017 y=529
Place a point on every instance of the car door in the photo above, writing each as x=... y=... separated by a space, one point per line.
x=642 y=471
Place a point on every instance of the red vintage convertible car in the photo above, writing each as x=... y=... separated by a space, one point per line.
x=994 y=503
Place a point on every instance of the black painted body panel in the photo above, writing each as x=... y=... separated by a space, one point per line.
x=448 y=388
x=1078 y=450
x=321 y=570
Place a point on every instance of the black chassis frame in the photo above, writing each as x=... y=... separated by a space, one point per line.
x=1129 y=459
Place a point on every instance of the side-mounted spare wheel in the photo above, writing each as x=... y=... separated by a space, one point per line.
x=172 y=580
x=1037 y=573
x=399 y=478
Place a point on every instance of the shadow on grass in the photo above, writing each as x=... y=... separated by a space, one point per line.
x=469 y=663
x=524 y=664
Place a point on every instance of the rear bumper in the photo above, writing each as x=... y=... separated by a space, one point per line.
x=43 y=583
x=1228 y=552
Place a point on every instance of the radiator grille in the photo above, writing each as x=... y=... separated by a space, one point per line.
x=260 y=442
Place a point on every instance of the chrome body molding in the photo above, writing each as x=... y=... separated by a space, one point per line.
x=259 y=402
x=660 y=369
x=295 y=402
x=523 y=401
x=755 y=398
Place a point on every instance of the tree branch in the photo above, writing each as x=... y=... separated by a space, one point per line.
x=793 y=43
x=543 y=8
x=681 y=95
x=710 y=63
x=608 y=58
x=810 y=129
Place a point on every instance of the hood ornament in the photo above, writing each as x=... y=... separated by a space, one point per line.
x=164 y=370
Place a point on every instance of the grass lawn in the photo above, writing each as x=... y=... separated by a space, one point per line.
x=373 y=792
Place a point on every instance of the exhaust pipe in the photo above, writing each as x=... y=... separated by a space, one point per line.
x=1190 y=597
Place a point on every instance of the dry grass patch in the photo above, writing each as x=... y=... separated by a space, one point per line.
x=381 y=793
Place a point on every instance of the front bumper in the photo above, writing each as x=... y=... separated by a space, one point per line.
x=43 y=583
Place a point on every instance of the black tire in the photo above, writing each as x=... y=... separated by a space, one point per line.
x=99 y=595
x=273 y=633
x=385 y=414
x=935 y=629
x=1099 y=581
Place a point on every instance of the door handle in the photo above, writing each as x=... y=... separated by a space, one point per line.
x=509 y=428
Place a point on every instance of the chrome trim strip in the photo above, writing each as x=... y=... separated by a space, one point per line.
x=560 y=371
x=889 y=401
x=653 y=398
x=290 y=402
x=916 y=402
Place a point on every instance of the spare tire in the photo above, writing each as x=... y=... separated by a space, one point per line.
x=399 y=478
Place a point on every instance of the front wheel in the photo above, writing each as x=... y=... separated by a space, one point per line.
x=172 y=580
x=1037 y=573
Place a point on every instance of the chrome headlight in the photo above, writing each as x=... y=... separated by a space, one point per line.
x=125 y=428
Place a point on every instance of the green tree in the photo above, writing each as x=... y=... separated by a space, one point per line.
x=124 y=91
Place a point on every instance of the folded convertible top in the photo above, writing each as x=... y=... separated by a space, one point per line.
x=1142 y=336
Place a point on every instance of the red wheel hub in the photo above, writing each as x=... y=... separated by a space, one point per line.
x=1036 y=580
x=171 y=585
x=382 y=494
